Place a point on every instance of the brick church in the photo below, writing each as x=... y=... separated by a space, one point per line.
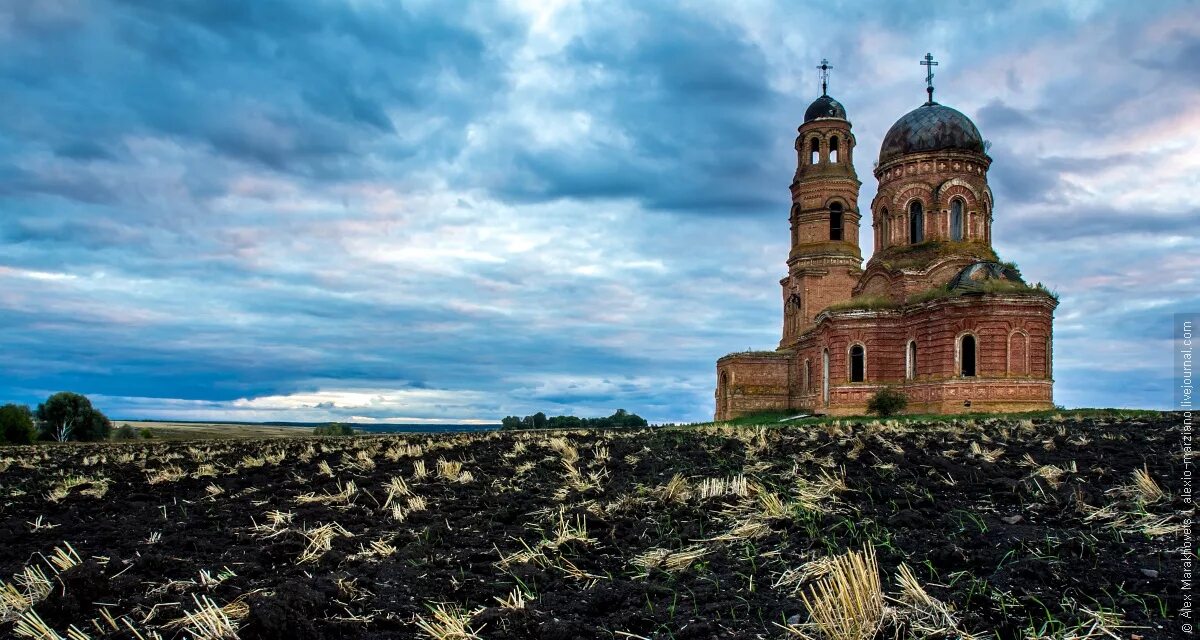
x=934 y=314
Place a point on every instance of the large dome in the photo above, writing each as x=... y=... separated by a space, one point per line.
x=930 y=127
x=824 y=107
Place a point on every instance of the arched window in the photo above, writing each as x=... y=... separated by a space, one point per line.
x=956 y=220
x=885 y=235
x=910 y=369
x=825 y=376
x=967 y=356
x=814 y=151
x=985 y=224
x=835 y=221
x=916 y=222
x=833 y=149
x=858 y=363
x=795 y=225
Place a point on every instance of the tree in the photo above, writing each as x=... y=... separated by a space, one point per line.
x=510 y=422
x=565 y=422
x=624 y=419
x=16 y=424
x=334 y=429
x=125 y=432
x=71 y=416
x=64 y=430
x=886 y=402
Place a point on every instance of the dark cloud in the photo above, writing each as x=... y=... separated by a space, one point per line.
x=81 y=186
x=1018 y=179
x=690 y=103
x=997 y=115
x=1178 y=55
x=295 y=87
x=1058 y=223
x=84 y=150
x=1045 y=179
x=71 y=235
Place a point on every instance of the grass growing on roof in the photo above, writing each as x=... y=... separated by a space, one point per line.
x=920 y=256
x=989 y=286
x=864 y=303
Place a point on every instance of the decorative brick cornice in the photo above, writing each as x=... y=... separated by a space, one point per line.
x=947 y=162
x=755 y=356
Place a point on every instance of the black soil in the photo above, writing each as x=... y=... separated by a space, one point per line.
x=1002 y=521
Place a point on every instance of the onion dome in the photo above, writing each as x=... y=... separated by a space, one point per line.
x=972 y=276
x=930 y=127
x=824 y=107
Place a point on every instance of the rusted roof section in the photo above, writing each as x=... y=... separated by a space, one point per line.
x=972 y=276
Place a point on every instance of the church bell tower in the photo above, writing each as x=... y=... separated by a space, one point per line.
x=824 y=262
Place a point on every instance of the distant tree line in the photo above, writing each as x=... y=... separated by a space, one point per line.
x=622 y=419
x=333 y=429
x=63 y=417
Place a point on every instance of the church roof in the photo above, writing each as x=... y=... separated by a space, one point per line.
x=930 y=127
x=824 y=107
x=972 y=276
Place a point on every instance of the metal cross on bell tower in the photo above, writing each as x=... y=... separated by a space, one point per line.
x=929 y=64
x=824 y=67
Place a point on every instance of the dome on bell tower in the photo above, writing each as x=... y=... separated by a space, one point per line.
x=930 y=127
x=824 y=107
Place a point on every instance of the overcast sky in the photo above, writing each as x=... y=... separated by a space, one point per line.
x=433 y=210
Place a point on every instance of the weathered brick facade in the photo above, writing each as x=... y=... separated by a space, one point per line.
x=825 y=262
x=951 y=336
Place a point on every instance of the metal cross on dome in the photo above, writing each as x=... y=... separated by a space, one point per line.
x=929 y=64
x=824 y=67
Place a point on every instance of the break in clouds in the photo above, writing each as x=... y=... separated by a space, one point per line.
x=312 y=211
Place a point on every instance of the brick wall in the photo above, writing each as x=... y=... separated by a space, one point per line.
x=759 y=383
x=934 y=178
x=753 y=383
